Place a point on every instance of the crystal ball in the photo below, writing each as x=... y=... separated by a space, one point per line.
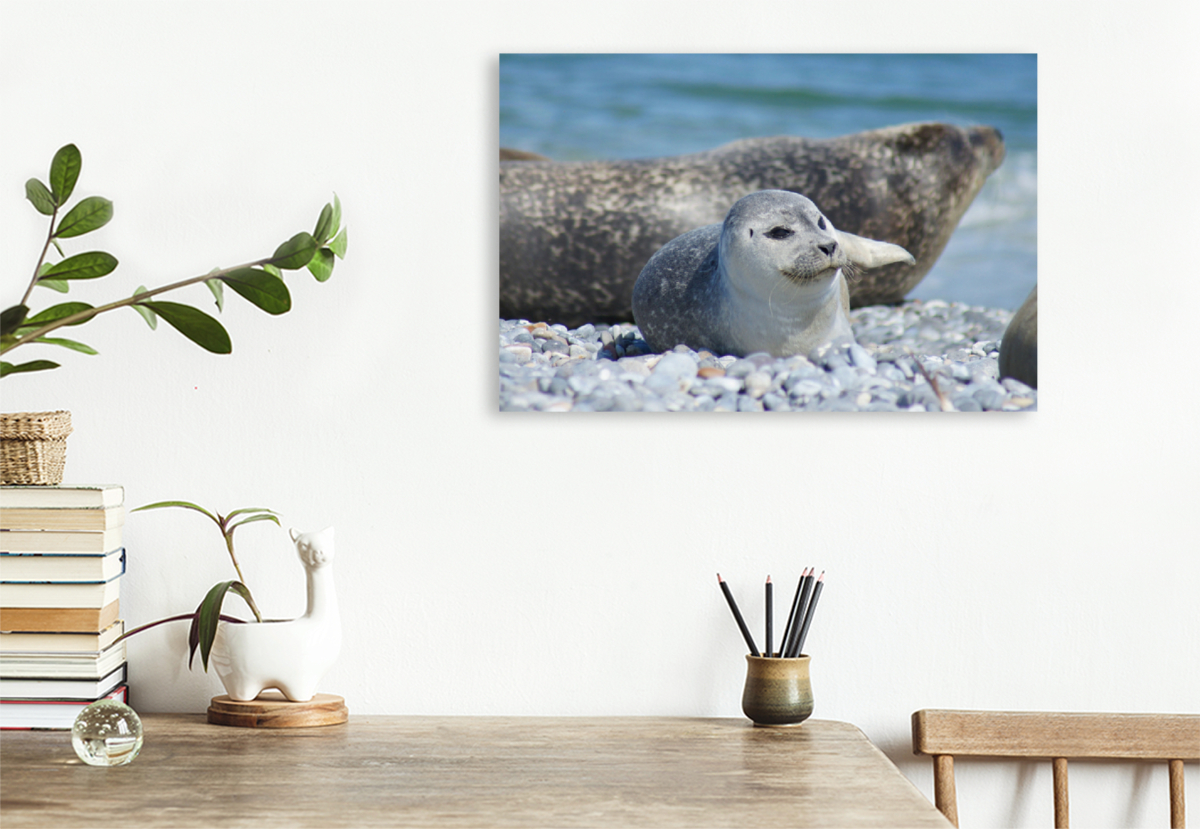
x=107 y=733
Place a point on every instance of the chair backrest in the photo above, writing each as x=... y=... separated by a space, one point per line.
x=945 y=735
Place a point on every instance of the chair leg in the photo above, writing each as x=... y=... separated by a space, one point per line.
x=1178 y=821
x=943 y=787
x=1062 y=817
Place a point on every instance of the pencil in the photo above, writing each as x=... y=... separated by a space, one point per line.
x=808 y=616
x=791 y=622
x=791 y=649
x=737 y=615
x=770 y=613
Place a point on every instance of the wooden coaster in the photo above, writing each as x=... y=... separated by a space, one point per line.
x=271 y=709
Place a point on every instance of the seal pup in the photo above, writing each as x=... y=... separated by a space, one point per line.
x=1018 y=346
x=575 y=235
x=769 y=278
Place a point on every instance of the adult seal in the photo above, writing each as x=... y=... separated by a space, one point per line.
x=575 y=235
x=1018 y=346
x=769 y=278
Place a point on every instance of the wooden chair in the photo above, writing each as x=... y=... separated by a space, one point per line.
x=945 y=735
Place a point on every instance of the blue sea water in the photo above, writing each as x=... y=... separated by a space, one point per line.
x=591 y=106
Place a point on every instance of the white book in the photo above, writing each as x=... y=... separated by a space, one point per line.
x=61 y=688
x=48 y=644
x=70 y=519
x=34 y=568
x=63 y=666
x=98 y=496
x=59 y=541
x=51 y=714
x=59 y=595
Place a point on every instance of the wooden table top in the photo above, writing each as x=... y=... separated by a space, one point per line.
x=466 y=771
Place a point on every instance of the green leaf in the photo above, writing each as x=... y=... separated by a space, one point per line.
x=36 y=365
x=325 y=227
x=218 y=292
x=194 y=324
x=245 y=510
x=338 y=245
x=321 y=265
x=274 y=271
x=91 y=213
x=12 y=318
x=183 y=504
x=56 y=312
x=83 y=266
x=208 y=615
x=60 y=285
x=64 y=172
x=261 y=288
x=149 y=316
x=337 y=213
x=295 y=253
x=251 y=520
x=65 y=343
x=39 y=195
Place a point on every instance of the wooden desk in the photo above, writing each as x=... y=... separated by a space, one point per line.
x=466 y=771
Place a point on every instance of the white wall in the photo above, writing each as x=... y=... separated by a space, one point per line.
x=532 y=565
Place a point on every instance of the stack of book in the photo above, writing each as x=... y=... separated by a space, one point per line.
x=61 y=562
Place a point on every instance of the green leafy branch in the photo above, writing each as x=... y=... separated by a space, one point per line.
x=259 y=281
x=205 y=617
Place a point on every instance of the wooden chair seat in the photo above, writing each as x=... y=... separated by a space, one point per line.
x=1058 y=737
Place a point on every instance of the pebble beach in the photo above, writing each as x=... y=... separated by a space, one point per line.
x=919 y=356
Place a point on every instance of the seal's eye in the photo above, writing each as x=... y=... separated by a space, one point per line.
x=821 y=223
x=779 y=233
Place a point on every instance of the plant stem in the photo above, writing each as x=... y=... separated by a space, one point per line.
x=37 y=269
x=133 y=300
x=178 y=618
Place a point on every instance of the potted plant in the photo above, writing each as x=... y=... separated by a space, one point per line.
x=34 y=444
x=249 y=657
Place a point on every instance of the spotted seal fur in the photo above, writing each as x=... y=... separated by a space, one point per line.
x=769 y=278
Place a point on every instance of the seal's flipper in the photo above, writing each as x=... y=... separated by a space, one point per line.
x=867 y=253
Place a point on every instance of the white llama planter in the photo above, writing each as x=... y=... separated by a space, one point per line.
x=292 y=655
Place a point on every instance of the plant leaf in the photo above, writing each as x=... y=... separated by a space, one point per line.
x=56 y=312
x=252 y=519
x=218 y=292
x=338 y=245
x=60 y=285
x=64 y=172
x=149 y=316
x=194 y=324
x=12 y=318
x=91 y=213
x=261 y=288
x=245 y=510
x=271 y=269
x=295 y=253
x=321 y=265
x=183 y=504
x=39 y=195
x=325 y=227
x=337 y=213
x=36 y=365
x=83 y=266
x=208 y=615
x=65 y=343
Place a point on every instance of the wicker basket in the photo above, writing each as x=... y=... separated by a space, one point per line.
x=33 y=447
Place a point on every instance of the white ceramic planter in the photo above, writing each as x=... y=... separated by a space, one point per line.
x=290 y=655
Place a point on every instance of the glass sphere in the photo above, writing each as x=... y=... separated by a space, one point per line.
x=107 y=733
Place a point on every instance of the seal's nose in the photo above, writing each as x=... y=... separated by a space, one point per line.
x=828 y=249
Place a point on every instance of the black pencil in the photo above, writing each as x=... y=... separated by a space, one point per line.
x=792 y=620
x=808 y=616
x=737 y=615
x=791 y=650
x=770 y=613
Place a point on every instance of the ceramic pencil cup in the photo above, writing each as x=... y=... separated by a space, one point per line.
x=778 y=691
